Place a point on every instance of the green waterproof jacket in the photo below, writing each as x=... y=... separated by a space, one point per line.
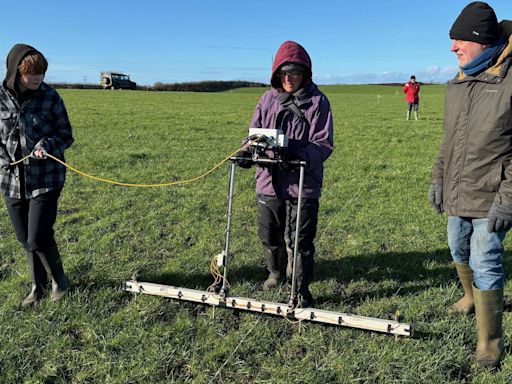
x=474 y=161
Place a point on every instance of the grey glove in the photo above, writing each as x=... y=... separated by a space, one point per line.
x=500 y=217
x=435 y=197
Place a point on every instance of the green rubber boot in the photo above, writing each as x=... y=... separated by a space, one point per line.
x=466 y=305
x=489 y=316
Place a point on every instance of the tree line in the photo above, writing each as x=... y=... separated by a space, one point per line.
x=199 y=86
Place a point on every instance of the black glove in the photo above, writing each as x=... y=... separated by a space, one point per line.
x=500 y=217
x=291 y=153
x=435 y=197
x=287 y=166
x=245 y=159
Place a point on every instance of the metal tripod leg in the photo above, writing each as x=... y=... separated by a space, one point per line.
x=224 y=290
x=293 y=294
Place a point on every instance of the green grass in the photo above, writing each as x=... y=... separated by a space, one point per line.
x=380 y=247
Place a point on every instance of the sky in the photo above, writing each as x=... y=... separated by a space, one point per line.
x=350 y=42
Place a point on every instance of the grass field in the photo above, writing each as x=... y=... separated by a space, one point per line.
x=380 y=247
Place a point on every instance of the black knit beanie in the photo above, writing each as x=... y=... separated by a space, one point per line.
x=477 y=22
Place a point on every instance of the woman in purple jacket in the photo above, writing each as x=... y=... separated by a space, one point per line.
x=295 y=105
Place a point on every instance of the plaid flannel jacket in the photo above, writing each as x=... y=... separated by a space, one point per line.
x=40 y=123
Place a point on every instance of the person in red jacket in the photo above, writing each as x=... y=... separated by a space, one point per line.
x=412 y=90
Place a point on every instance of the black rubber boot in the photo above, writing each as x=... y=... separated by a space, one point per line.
x=53 y=265
x=306 y=299
x=39 y=280
x=303 y=280
x=304 y=274
x=275 y=259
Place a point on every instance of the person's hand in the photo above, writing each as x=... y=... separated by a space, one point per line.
x=435 y=197
x=287 y=166
x=8 y=167
x=291 y=153
x=39 y=153
x=244 y=159
x=500 y=217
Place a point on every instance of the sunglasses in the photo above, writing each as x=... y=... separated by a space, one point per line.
x=290 y=74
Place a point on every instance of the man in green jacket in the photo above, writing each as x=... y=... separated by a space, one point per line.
x=472 y=175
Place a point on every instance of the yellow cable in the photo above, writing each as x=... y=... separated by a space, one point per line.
x=19 y=161
x=213 y=265
x=214 y=270
x=138 y=185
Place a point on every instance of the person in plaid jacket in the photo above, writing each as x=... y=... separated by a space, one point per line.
x=33 y=121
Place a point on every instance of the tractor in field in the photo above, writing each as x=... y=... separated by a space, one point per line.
x=113 y=80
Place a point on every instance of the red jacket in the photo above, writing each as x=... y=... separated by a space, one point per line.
x=412 y=91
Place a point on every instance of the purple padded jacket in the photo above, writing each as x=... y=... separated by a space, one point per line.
x=310 y=138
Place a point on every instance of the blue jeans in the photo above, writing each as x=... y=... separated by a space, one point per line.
x=470 y=243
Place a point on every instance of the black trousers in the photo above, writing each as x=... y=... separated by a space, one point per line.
x=277 y=230
x=412 y=107
x=33 y=220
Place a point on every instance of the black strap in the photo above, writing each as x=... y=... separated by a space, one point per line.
x=296 y=110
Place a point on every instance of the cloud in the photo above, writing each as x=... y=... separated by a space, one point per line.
x=433 y=73
x=433 y=70
x=449 y=71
